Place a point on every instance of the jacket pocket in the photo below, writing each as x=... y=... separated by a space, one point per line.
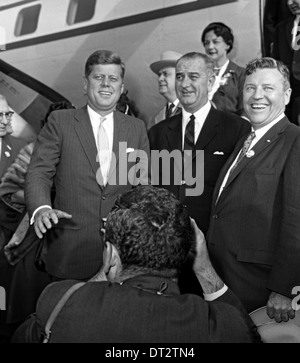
x=256 y=256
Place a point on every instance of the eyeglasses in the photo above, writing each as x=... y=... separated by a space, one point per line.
x=8 y=115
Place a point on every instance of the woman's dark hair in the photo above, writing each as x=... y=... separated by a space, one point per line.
x=221 y=30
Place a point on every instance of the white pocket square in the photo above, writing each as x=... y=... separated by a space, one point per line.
x=129 y=150
x=219 y=153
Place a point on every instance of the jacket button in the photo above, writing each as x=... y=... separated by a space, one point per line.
x=103 y=198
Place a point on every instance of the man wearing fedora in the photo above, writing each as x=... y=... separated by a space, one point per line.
x=165 y=70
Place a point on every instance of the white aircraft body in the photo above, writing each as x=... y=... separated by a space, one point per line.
x=50 y=41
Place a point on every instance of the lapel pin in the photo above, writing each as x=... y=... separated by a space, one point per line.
x=9 y=148
x=7 y=154
x=250 y=154
x=268 y=141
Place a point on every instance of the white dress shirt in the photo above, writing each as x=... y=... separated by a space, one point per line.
x=259 y=134
x=200 y=117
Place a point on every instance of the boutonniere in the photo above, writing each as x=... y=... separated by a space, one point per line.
x=225 y=78
x=7 y=154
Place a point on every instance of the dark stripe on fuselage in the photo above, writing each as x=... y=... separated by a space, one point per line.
x=130 y=20
x=15 y=5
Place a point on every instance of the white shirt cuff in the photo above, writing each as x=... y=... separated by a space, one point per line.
x=216 y=295
x=35 y=212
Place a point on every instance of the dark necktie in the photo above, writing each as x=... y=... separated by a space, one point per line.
x=169 y=110
x=189 y=137
x=244 y=151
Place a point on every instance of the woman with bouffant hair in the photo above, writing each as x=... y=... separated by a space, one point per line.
x=227 y=93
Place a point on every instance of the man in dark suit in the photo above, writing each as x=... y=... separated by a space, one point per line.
x=287 y=49
x=135 y=297
x=91 y=155
x=9 y=217
x=254 y=234
x=215 y=132
x=275 y=11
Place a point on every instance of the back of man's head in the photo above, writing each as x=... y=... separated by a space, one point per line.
x=151 y=230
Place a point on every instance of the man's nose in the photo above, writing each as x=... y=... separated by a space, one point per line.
x=105 y=81
x=258 y=94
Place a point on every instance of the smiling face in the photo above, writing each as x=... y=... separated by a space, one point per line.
x=265 y=96
x=166 y=83
x=193 y=82
x=104 y=86
x=294 y=6
x=216 y=48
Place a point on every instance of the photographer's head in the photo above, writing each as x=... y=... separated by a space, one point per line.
x=147 y=232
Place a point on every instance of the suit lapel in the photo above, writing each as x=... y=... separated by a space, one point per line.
x=266 y=141
x=174 y=137
x=84 y=131
x=209 y=130
x=120 y=135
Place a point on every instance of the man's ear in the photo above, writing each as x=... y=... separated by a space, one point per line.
x=112 y=265
x=85 y=83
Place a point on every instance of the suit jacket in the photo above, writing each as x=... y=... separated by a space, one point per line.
x=283 y=51
x=11 y=146
x=161 y=116
x=219 y=135
x=229 y=97
x=254 y=234
x=275 y=11
x=142 y=315
x=66 y=155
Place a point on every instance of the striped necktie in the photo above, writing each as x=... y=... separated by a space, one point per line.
x=189 y=137
x=244 y=150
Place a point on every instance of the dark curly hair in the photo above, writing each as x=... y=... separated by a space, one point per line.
x=221 y=30
x=151 y=230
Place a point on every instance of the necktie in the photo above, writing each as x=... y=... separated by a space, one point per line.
x=169 y=110
x=103 y=151
x=189 y=136
x=217 y=71
x=244 y=151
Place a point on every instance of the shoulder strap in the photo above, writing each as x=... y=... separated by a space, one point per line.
x=58 y=308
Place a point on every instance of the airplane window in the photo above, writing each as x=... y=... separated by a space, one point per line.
x=27 y=20
x=80 y=10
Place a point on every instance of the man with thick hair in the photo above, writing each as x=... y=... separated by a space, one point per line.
x=135 y=297
x=87 y=154
x=254 y=234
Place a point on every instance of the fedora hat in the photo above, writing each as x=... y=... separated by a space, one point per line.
x=272 y=332
x=167 y=59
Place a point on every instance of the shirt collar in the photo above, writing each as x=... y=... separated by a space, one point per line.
x=262 y=131
x=95 y=117
x=175 y=103
x=200 y=115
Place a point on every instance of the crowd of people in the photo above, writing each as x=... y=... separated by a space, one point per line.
x=113 y=247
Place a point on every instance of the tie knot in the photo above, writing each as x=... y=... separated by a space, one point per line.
x=192 y=118
x=217 y=71
x=251 y=136
x=102 y=119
